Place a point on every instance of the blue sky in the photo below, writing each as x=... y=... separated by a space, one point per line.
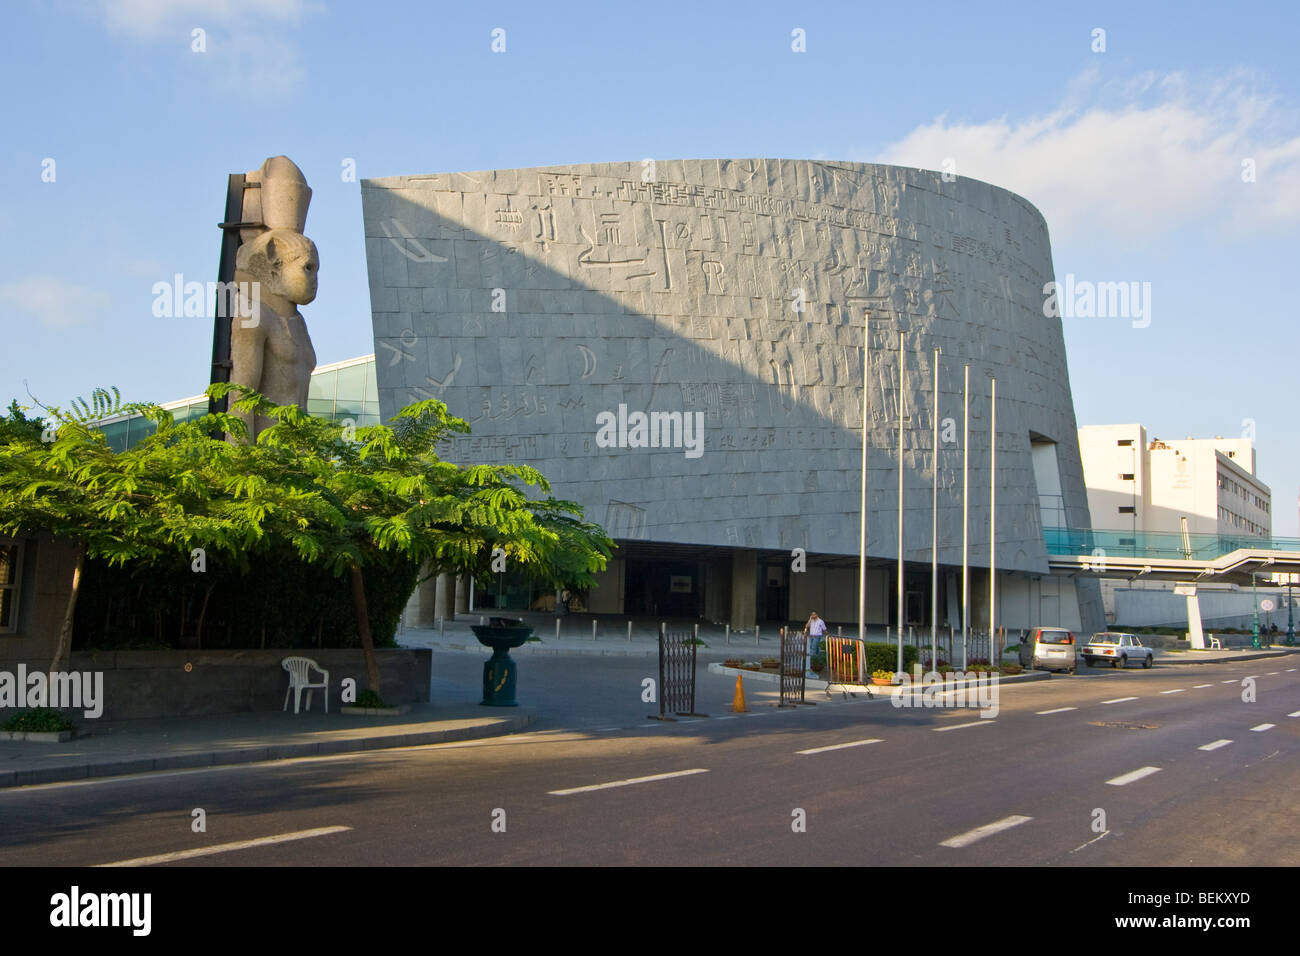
x=1134 y=155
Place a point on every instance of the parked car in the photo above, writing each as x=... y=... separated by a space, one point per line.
x=1117 y=648
x=1049 y=649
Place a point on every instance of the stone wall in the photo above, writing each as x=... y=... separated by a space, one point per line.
x=533 y=300
x=140 y=684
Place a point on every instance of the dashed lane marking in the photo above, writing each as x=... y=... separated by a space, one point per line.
x=626 y=783
x=979 y=833
x=1214 y=746
x=851 y=743
x=228 y=847
x=1125 y=779
x=973 y=723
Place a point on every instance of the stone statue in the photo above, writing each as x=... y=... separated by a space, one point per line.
x=270 y=350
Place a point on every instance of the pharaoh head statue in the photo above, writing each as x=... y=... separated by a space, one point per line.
x=283 y=262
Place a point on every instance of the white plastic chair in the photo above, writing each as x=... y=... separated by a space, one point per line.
x=299 y=669
x=1215 y=643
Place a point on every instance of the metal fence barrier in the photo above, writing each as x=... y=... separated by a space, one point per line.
x=794 y=665
x=677 y=673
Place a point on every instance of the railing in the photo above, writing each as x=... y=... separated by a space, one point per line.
x=1088 y=542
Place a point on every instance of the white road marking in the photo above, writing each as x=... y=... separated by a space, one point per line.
x=1260 y=728
x=1227 y=682
x=732 y=717
x=973 y=723
x=625 y=783
x=979 y=833
x=852 y=743
x=1176 y=690
x=228 y=847
x=1214 y=746
x=1199 y=686
x=1294 y=713
x=1059 y=710
x=1104 y=834
x=1290 y=670
x=1272 y=673
x=1127 y=778
x=601 y=730
x=1118 y=700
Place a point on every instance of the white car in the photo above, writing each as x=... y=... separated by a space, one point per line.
x=1118 y=649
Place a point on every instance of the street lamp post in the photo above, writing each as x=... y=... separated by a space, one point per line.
x=1290 y=621
x=1254 y=599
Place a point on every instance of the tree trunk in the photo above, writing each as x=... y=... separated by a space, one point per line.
x=63 y=648
x=203 y=611
x=363 y=626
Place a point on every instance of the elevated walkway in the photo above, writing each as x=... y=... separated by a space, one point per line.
x=1185 y=559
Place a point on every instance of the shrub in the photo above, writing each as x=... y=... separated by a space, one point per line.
x=817 y=662
x=368 y=698
x=885 y=657
x=37 y=721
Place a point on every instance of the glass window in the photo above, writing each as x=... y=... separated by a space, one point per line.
x=372 y=385
x=352 y=384
x=323 y=386
x=10 y=558
x=1054 y=637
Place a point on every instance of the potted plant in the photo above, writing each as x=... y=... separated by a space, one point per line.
x=883 y=677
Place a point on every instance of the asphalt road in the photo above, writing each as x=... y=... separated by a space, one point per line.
x=934 y=787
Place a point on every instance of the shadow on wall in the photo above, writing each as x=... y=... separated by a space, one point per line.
x=533 y=301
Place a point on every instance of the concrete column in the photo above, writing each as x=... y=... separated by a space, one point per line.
x=423 y=601
x=744 y=588
x=462 y=594
x=1194 y=632
x=444 y=597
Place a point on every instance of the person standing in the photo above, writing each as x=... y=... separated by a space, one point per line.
x=816 y=629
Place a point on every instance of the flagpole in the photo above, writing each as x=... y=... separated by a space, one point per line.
x=934 y=527
x=965 y=519
x=993 y=485
x=862 y=522
x=902 y=405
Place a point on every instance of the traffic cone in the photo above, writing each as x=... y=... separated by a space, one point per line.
x=738 y=702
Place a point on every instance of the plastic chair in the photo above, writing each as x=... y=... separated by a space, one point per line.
x=299 y=669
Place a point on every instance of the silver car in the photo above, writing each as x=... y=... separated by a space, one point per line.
x=1049 y=649
x=1116 y=648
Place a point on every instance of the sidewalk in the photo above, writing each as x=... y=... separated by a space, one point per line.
x=1224 y=656
x=141 y=746
x=575 y=637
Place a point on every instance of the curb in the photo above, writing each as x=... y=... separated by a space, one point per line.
x=222 y=758
x=1254 y=656
x=774 y=677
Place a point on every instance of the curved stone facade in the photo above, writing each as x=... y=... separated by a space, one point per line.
x=532 y=301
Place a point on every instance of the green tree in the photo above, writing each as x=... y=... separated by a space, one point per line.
x=345 y=496
x=343 y=500
x=152 y=503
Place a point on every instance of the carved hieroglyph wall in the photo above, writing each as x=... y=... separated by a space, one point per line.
x=532 y=300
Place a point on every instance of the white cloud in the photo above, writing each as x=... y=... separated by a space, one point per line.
x=251 y=45
x=54 y=302
x=149 y=19
x=1137 y=158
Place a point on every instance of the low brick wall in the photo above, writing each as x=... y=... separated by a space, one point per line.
x=141 y=684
